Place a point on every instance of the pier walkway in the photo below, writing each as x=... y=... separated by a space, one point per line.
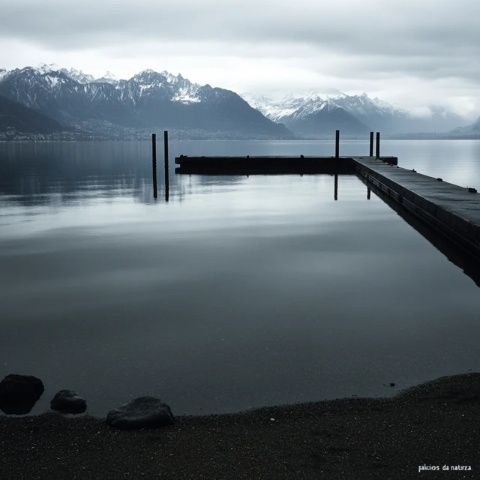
x=452 y=209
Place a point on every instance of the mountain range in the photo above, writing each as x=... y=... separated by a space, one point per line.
x=148 y=100
x=54 y=100
x=354 y=115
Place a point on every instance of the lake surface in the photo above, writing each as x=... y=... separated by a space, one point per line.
x=239 y=292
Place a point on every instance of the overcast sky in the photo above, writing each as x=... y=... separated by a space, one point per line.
x=414 y=53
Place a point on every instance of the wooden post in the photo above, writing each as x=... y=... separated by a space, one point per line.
x=165 y=155
x=337 y=143
x=368 y=193
x=378 y=145
x=154 y=164
x=371 y=144
x=335 y=193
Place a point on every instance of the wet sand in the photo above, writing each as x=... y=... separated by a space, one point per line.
x=434 y=424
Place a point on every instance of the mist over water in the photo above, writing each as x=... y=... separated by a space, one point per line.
x=237 y=293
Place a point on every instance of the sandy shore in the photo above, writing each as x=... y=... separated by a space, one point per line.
x=434 y=424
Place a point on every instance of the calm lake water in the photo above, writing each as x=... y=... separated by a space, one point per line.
x=239 y=292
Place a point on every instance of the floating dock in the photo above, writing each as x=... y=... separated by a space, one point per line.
x=451 y=210
x=270 y=165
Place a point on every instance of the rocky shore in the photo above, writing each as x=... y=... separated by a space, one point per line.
x=430 y=431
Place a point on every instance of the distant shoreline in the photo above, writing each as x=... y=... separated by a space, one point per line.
x=34 y=138
x=433 y=424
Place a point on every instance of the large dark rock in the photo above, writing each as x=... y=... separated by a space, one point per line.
x=19 y=393
x=143 y=412
x=66 y=401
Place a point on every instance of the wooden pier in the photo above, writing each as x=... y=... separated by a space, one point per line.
x=448 y=208
x=268 y=165
x=451 y=210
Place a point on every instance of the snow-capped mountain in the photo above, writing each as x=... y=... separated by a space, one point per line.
x=148 y=99
x=107 y=77
x=311 y=115
x=276 y=109
x=77 y=75
x=382 y=116
x=369 y=113
x=153 y=99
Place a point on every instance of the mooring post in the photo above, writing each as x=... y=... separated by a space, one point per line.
x=165 y=155
x=378 y=145
x=371 y=144
x=335 y=193
x=154 y=164
x=337 y=143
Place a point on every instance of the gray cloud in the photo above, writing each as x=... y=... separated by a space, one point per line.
x=404 y=27
x=369 y=41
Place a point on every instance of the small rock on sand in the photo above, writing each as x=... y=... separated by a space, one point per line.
x=143 y=412
x=66 y=401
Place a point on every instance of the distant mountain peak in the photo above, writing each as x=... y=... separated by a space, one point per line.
x=47 y=68
x=293 y=108
x=52 y=71
x=152 y=76
x=110 y=76
x=78 y=75
x=148 y=72
x=179 y=89
x=173 y=78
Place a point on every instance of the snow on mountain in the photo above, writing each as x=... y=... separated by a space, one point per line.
x=311 y=115
x=69 y=94
x=301 y=106
x=52 y=69
x=179 y=89
x=147 y=99
x=363 y=105
x=175 y=87
x=78 y=75
x=307 y=106
x=374 y=113
x=186 y=95
x=275 y=110
x=47 y=68
x=108 y=77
